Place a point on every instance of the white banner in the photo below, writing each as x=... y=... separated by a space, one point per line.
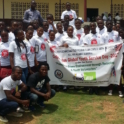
x=85 y=66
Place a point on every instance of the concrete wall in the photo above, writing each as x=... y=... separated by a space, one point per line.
x=103 y=5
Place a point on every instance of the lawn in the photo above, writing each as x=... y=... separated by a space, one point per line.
x=76 y=107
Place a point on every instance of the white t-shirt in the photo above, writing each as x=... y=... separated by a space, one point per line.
x=4 y=54
x=118 y=18
x=104 y=30
x=70 y=41
x=59 y=36
x=45 y=36
x=109 y=37
x=93 y=39
x=30 y=52
x=11 y=36
x=19 y=56
x=82 y=39
x=51 y=27
x=40 y=43
x=78 y=33
x=35 y=32
x=8 y=84
x=72 y=14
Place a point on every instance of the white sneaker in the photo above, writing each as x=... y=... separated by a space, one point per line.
x=3 y=119
x=110 y=93
x=19 y=109
x=65 y=88
x=120 y=94
x=15 y=114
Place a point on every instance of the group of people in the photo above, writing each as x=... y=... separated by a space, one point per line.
x=23 y=56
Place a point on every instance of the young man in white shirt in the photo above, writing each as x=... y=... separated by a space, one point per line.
x=93 y=38
x=72 y=14
x=9 y=97
x=60 y=33
x=14 y=26
x=86 y=32
x=46 y=32
x=101 y=28
x=110 y=35
x=78 y=31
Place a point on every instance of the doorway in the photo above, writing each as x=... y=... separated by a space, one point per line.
x=92 y=14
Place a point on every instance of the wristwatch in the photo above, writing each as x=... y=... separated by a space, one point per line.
x=20 y=91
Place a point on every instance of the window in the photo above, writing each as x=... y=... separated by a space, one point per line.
x=18 y=9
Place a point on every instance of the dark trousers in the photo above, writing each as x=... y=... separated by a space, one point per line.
x=7 y=106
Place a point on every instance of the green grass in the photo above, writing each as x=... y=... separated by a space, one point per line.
x=76 y=108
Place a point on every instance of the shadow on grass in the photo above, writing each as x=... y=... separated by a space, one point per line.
x=27 y=117
x=49 y=109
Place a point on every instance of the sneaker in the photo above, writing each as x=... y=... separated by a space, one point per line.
x=3 y=119
x=41 y=104
x=15 y=114
x=110 y=93
x=120 y=94
x=91 y=91
x=65 y=88
x=31 y=108
x=19 y=109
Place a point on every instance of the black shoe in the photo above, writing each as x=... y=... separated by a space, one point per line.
x=91 y=91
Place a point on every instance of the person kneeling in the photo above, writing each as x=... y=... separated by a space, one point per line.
x=9 y=98
x=39 y=85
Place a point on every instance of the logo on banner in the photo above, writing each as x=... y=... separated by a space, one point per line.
x=32 y=49
x=58 y=74
x=43 y=46
x=5 y=53
x=52 y=48
x=113 y=72
x=89 y=76
x=94 y=41
x=79 y=36
x=79 y=77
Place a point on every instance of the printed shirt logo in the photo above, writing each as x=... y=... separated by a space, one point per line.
x=94 y=41
x=43 y=46
x=111 y=40
x=71 y=16
x=32 y=49
x=52 y=48
x=79 y=36
x=5 y=53
x=45 y=39
x=23 y=57
x=40 y=84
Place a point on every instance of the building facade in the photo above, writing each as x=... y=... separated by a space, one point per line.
x=14 y=9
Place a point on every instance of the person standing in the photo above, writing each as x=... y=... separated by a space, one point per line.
x=32 y=14
x=72 y=14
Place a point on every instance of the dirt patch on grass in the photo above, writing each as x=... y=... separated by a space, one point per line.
x=110 y=109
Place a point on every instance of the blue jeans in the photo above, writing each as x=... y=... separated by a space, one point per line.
x=7 y=106
x=24 y=75
x=34 y=97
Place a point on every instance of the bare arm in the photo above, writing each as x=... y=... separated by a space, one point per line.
x=11 y=59
x=13 y=98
